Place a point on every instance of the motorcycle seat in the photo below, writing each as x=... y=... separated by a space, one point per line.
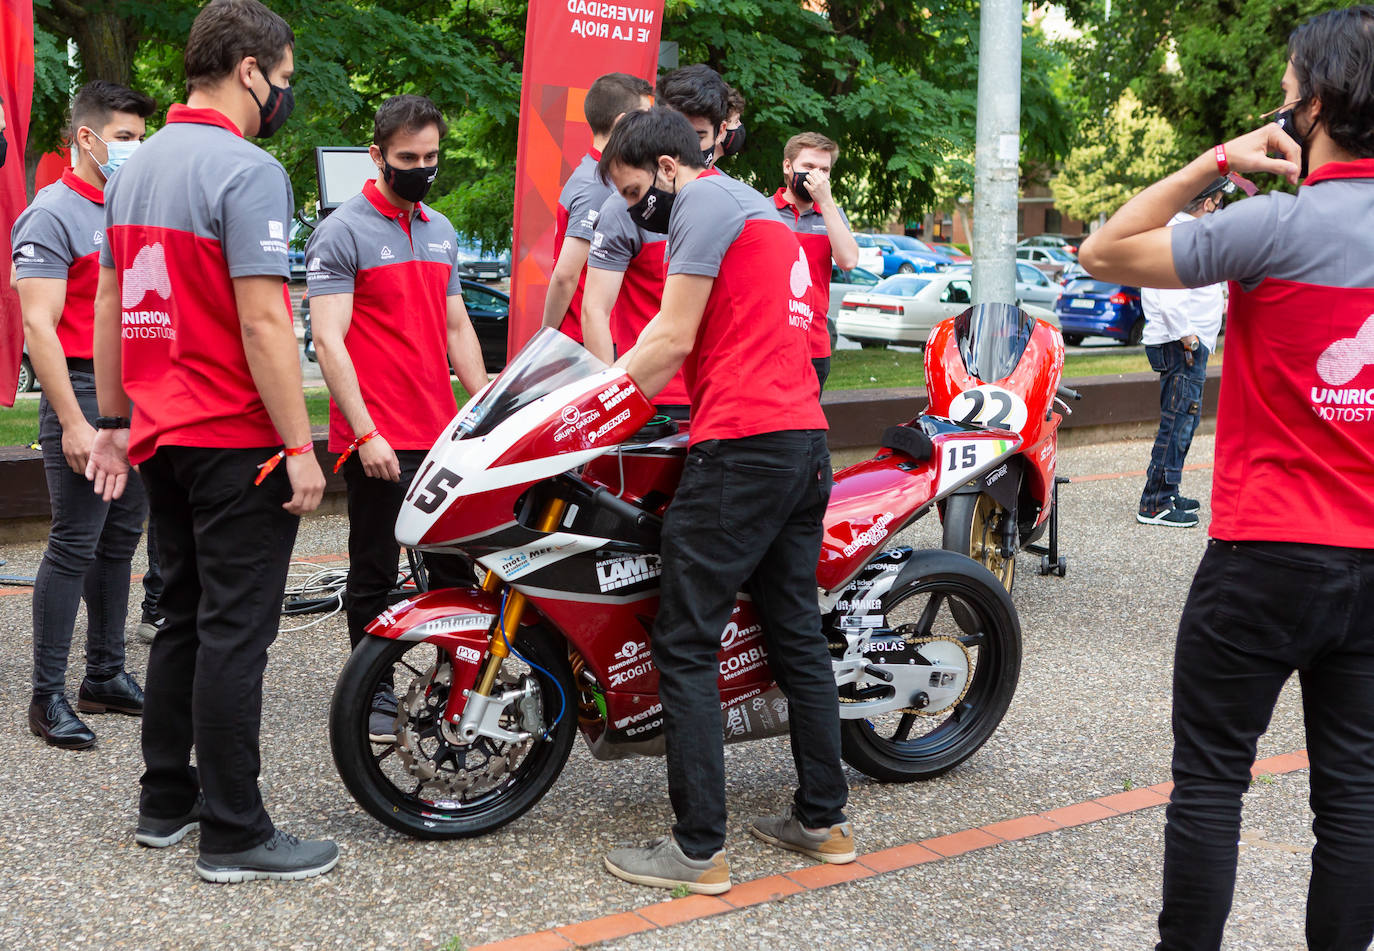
x=908 y=441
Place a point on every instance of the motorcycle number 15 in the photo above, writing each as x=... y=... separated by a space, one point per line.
x=962 y=459
x=989 y=406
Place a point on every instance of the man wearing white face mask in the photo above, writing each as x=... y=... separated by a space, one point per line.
x=56 y=243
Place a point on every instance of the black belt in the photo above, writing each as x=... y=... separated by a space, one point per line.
x=81 y=364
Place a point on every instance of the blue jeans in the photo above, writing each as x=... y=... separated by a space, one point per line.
x=1180 y=407
x=1257 y=612
x=90 y=544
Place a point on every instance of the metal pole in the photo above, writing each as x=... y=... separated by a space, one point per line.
x=998 y=150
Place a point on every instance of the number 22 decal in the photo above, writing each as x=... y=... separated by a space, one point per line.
x=989 y=406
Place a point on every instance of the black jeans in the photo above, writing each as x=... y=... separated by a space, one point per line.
x=822 y=367
x=1180 y=408
x=373 y=551
x=1257 y=612
x=225 y=546
x=152 y=578
x=90 y=544
x=747 y=510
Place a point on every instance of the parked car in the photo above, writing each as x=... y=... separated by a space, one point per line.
x=1088 y=307
x=1032 y=286
x=488 y=308
x=901 y=260
x=1050 y=260
x=950 y=251
x=841 y=283
x=870 y=255
x=28 y=382
x=1050 y=241
x=480 y=265
x=902 y=309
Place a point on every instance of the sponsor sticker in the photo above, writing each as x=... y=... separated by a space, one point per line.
x=614 y=573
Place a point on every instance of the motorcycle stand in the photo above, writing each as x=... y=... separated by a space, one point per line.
x=1051 y=562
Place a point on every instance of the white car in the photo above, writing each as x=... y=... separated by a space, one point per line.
x=870 y=255
x=1050 y=260
x=1032 y=285
x=904 y=308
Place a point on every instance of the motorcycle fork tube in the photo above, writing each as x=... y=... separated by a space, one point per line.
x=499 y=649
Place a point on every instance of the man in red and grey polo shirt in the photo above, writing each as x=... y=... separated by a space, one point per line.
x=579 y=205
x=56 y=249
x=388 y=317
x=734 y=319
x=1287 y=582
x=626 y=266
x=805 y=204
x=192 y=325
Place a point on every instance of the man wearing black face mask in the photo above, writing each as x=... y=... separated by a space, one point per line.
x=388 y=317
x=805 y=204
x=732 y=142
x=193 y=339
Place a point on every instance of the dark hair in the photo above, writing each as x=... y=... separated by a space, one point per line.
x=641 y=137
x=696 y=91
x=736 y=103
x=227 y=31
x=612 y=95
x=408 y=114
x=99 y=99
x=1333 y=59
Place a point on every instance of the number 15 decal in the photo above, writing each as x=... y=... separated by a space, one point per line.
x=435 y=491
x=961 y=457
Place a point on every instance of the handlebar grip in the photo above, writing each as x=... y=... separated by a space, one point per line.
x=626 y=510
x=1064 y=393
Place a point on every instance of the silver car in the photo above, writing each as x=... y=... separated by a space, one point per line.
x=1032 y=285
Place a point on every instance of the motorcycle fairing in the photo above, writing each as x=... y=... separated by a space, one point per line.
x=875 y=499
x=468 y=486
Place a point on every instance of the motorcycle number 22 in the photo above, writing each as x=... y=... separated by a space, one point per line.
x=989 y=406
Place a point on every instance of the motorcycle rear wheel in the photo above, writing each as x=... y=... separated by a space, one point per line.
x=972 y=527
x=381 y=782
x=968 y=605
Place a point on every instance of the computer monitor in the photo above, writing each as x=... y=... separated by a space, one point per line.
x=342 y=171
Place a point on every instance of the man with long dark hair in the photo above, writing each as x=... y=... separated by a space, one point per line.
x=1287 y=583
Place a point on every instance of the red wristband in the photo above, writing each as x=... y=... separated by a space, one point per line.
x=343 y=456
x=1223 y=165
x=265 y=468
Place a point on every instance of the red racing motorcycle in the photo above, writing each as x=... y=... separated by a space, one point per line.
x=554 y=479
x=996 y=366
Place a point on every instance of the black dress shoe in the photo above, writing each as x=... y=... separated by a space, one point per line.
x=121 y=693
x=51 y=717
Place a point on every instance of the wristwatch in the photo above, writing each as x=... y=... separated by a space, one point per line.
x=112 y=422
x=1192 y=346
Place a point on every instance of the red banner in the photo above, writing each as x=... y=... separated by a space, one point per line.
x=568 y=44
x=16 y=86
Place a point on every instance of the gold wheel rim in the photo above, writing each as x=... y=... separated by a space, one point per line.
x=985 y=542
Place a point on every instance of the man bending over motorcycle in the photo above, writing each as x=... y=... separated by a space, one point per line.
x=749 y=506
x=1287 y=582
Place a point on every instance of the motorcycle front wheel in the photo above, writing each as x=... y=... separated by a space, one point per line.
x=956 y=603
x=422 y=780
x=973 y=527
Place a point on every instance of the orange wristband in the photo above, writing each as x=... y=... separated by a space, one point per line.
x=343 y=456
x=265 y=468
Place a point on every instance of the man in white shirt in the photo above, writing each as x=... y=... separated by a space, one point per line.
x=1181 y=328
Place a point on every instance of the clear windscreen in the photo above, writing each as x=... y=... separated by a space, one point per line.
x=992 y=338
x=550 y=360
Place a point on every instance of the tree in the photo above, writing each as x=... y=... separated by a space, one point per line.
x=1120 y=155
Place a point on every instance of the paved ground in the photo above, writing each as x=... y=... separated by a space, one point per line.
x=1090 y=719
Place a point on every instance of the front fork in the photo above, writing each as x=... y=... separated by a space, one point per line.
x=470 y=709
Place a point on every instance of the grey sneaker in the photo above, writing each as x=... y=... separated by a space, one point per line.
x=161 y=833
x=149 y=628
x=834 y=845
x=662 y=864
x=281 y=858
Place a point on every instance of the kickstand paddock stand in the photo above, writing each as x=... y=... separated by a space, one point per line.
x=1051 y=562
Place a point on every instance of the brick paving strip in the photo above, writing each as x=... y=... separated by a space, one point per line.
x=678 y=911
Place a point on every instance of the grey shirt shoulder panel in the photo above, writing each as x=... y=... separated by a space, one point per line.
x=206 y=181
x=708 y=216
x=331 y=254
x=357 y=237
x=617 y=239
x=1283 y=236
x=56 y=230
x=583 y=196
